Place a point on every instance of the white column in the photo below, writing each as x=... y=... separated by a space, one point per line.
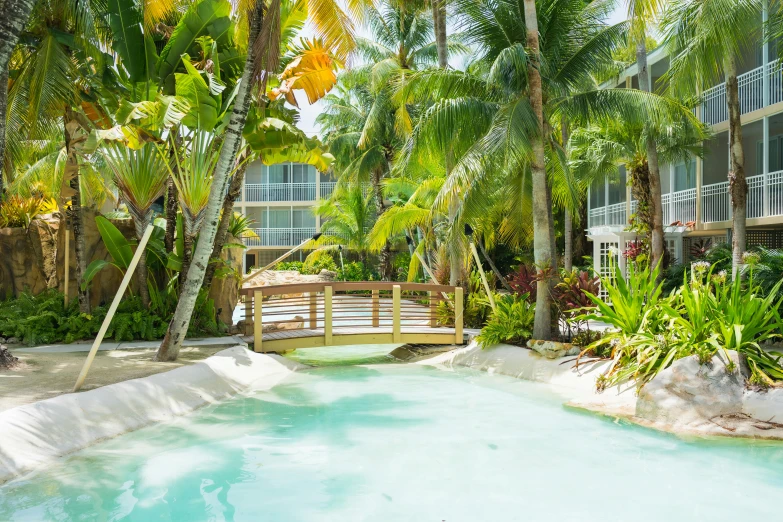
x=699 y=176
x=765 y=163
x=672 y=217
x=765 y=54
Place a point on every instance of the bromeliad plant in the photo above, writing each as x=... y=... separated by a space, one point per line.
x=706 y=314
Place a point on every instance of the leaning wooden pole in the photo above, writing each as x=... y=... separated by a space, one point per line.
x=113 y=308
x=273 y=263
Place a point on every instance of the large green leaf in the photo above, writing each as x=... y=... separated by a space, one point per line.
x=92 y=270
x=125 y=22
x=118 y=246
x=191 y=86
x=207 y=17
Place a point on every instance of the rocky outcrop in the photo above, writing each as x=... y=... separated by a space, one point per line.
x=287 y=277
x=224 y=291
x=27 y=258
x=6 y=359
x=691 y=393
x=553 y=349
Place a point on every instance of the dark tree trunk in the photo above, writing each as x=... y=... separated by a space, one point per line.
x=187 y=257
x=580 y=242
x=171 y=215
x=76 y=214
x=738 y=185
x=225 y=220
x=141 y=225
x=3 y=110
x=494 y=268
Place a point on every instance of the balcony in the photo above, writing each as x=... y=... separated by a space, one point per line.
x=279 y=237
x=751 y=93
x=765 y=198
x=255 y=192
x=612 y=215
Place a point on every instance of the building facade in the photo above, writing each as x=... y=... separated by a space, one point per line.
x=280 y=200
x=696 y=200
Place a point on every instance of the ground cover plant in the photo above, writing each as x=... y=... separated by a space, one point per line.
x=45 y=319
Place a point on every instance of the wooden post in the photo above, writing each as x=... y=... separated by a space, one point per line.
x=313 y=310
x=483 y=275
x=327 y=316
x=376 y=309
x=258 y=323
x=433 y=309
x=458 y=315
x=113 y=308
x=248 y=314
x=67 y=270
x=396 y=326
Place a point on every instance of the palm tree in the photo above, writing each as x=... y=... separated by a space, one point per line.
x=597 y=150
x=641 y=13
x=368 y=123
x=262 y=58
x=348 y=217
x=140 y=176
x=15 y=15
x=706 y=38
x=494 y=124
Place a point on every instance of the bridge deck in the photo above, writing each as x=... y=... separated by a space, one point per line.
x=286 y=340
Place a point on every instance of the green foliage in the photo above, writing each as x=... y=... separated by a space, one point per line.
x=704 y=315
x=356 y=271
x=290 y=265
x=17 y=211
x=44 y=319
x=310 y=267
x=512 y=321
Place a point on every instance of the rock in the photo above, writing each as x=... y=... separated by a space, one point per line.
x=12 y=340
x=553 y=349
x=327 y=275
x=690 y=393
x=6 y=359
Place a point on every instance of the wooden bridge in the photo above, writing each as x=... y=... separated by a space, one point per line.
x=309 y=315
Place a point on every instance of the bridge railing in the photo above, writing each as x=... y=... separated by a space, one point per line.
x=306 y=315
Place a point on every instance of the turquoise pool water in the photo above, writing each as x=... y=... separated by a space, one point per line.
x=402 y=443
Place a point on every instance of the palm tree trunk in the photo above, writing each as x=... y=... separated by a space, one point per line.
x=542 y=212
x=656 y=233
x=384 y=256
x=141 y=225
x=738 y=186
x=568 y=229
x=187 y=254
x=439 y=19
x=225 y=220
x=12 y=23
x=77 y=216
x=178 y=328
x=172 y=198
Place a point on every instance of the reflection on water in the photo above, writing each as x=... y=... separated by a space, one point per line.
x=344 y=355
x=401 y=443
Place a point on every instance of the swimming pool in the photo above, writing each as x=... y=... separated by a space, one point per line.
x=402 y=443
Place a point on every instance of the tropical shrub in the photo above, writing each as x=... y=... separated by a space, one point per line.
x=290 y=265
x=17 y=211
x=705 y=314
x=571 y=298
x=356 y=271
x=511 y=322
x=523 y=281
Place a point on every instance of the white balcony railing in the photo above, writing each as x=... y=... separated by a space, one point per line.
x=716 y=200
x=282 y=237
x=280 y=192
x=610 y=215
x=751 y=93
x=327 y=187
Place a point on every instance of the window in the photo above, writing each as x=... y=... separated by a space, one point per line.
x=685 y=176
x=597 y=194
x=303 y=218
x=279 y=218
x=607 y=253
x=250 y=260
x=303 y=174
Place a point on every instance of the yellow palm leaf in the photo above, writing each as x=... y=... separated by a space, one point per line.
x=313 y=71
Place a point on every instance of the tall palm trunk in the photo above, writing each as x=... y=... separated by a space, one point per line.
x=439 y=26
x=12 y=23
x=225 y=220
x=188 y=237
x=656 y=233
x=178 y=328
x=542 y=212
x=568 y=228
x=494 y=267
x=77 y=216
x=738 y=186
x=384 y=256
